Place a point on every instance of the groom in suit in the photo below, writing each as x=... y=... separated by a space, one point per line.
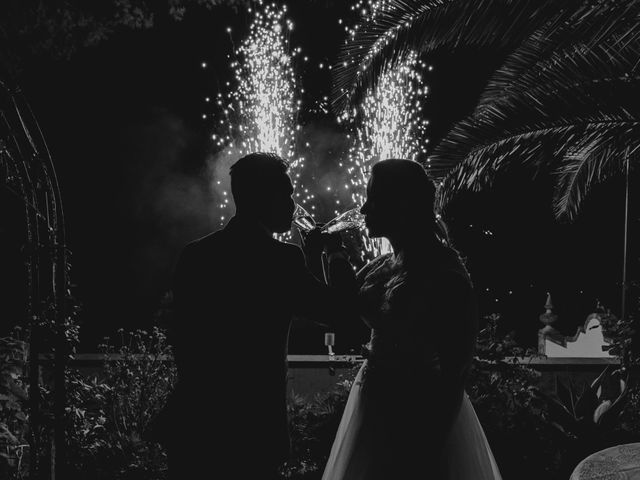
x=235 y=292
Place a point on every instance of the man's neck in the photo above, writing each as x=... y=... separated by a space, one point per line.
x=249 y=219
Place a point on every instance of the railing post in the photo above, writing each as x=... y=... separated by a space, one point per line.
x=626 y=234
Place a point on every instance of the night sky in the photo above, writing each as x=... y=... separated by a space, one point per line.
x=124 y=124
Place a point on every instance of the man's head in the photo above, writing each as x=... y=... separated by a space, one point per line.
x=262 y=189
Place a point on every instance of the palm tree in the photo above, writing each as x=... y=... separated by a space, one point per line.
x=565 y=98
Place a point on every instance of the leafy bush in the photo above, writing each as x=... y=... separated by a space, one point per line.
x=588 y=416
x=512 y=411
x=623 y=334
x=14 y=427
x=108 y=416
x=603 y=413
x=532 y=435
x=313 y=426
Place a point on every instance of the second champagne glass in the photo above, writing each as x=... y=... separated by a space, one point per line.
x=349 y=219
x=303 y=219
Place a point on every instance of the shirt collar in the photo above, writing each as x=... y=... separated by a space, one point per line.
x=248 y=226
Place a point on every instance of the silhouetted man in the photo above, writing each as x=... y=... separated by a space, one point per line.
x=235 y=292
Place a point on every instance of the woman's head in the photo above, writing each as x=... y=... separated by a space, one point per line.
x=400 y=198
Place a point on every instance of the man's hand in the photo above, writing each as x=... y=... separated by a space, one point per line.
x=332 y=243
x=312 y=247
x=313 y=243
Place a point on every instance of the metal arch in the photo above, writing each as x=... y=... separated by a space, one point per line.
x=29 y=174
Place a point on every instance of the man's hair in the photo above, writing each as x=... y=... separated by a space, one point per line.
x=252 y=175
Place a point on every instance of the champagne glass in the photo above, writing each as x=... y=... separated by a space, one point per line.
x=303 y=219
x=349 y=219
x=330 y=341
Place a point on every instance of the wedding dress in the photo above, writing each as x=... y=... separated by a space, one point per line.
x=392 y=403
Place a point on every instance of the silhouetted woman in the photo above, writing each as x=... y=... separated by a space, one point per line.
x=408 y=415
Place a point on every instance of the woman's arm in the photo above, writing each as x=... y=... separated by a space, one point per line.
x=457 y=323
x=447 y=316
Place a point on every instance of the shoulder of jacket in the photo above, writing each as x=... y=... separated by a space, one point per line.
x=290 y=250
x=206 y=242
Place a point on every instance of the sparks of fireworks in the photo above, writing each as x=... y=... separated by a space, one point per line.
x=389 y=125
x=261 y=113
x=370 y=11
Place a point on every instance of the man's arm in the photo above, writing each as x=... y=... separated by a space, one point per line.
x=313 y=247
x=183 y=288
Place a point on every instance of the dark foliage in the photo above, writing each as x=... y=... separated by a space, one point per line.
x=532 y=435
x=14 y=428
x=39 y=30
x=313 y=426
x=510 y=407
x=109 y=414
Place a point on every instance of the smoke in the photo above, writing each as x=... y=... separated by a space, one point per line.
x=172 y=194
x=217 y=174
x=325 y=147
x=323 y=176
x=169 y=190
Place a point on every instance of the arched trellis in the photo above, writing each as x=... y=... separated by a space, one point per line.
x=27 y=172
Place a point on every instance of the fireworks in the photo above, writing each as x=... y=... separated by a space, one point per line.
x=389 y=125
x=265 y=95
x=370 y=11
x=260 y=114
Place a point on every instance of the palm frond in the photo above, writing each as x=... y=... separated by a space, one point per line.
x=542 y=146
x=569 y=103
x=423 y=26
x=563 y=47
x=543 y=109
x=565 y=99
x=579 y=168
x=598 y=156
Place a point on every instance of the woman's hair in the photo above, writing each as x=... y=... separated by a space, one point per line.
x=442 y=231
x=408 y=183
x=412 y=188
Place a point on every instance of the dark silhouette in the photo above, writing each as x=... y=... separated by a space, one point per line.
x=408 y=415
x=235 y=292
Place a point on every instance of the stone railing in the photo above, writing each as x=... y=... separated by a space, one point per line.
x=310 y=374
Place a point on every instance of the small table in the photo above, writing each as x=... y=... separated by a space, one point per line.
x=621 y=462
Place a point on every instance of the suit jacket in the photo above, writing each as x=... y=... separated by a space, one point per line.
x=235 y=292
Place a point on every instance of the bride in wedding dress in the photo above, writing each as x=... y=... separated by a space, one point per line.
x=408 y=416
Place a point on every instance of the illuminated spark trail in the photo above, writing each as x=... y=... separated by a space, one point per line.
x=266 y=87
x=389 y=125
x=261 y=113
